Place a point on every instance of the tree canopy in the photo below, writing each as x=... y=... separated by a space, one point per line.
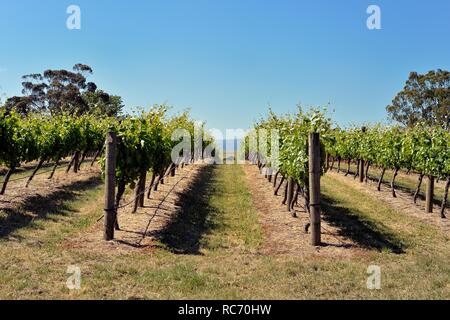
x=58 y=92
x=425 y=98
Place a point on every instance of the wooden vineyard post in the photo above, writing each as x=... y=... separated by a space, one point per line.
x=110 y=186
x=429 y=195
x=362 y=166
x=314 y=187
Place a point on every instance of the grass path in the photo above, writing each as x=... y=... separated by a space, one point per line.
x=228 y=263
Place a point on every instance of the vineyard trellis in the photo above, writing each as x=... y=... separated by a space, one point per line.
x=145 y=143
x=288 y=146
x=421 y=149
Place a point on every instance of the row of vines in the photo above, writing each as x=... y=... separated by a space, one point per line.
x=279 y=146
x=423 y=150
x=145 y=144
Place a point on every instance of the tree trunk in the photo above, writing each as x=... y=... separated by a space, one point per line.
x=307 y=198
x=380 y=181
x=53 y=170
x=82 y=160
x=41 y=162
x=263 y=165
x=429 y=195
x=5 y=182
x=165 y=174
x=285 y=193
x=275 y=179
x=120 y=192
x=348 y=167
x=76 y=162
x=393 y=182
x=332 y=164
x=152 y=181
x=358 y=162
x=444 y=200
x=416 y=194
x=295 y=199
x=279 y=186
x=137 y=193
x=366 y=175
x=160 y=178
x=339 y=165
x=155 y=187
x=97 y=153
x=290 y=193
x=71 y=163
x=142 y=195
x=143 y=180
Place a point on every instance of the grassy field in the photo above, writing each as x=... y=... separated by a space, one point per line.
x=226 y=261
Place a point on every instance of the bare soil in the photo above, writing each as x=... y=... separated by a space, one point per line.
x=284 y=234
x=21 y=206
x=141 y=231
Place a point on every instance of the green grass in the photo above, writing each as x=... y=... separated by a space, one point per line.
x=227 y=264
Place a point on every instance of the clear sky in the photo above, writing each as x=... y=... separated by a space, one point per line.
x=228 y=60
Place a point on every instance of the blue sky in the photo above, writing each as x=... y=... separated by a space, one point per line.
x=228 y=60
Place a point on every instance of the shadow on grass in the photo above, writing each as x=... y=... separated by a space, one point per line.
x=37 y=207
x=182 y=235
x=400 y=187
x=364 y=232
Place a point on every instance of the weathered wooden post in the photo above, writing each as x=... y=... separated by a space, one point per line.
x=429 y=195
x=110 y=186
x=362 y=174
x=314 y=187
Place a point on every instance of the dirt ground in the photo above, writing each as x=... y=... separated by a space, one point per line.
x=285 y=234
x=20 y=206
x=140 y=231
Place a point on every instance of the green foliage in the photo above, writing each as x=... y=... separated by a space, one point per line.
x=293 y=133
x=25 y=139
x=420 y=148
x=145 y=139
